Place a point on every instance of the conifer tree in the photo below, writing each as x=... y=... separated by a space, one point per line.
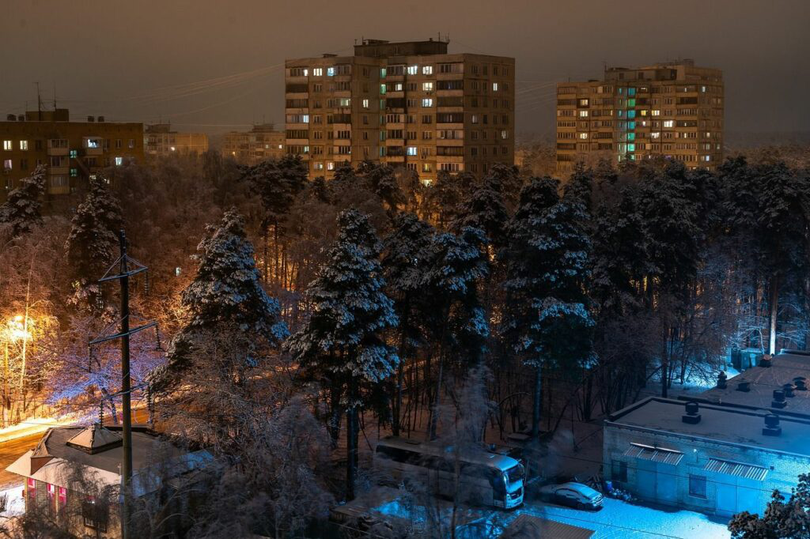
x=455 y=316
x=343 y=338
x=23 y=207
x=225 y=302
x=405 y=255
x=547 y=318
x=92 y=243
x=485 y=209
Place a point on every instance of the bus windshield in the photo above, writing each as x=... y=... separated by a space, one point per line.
x=515 y=473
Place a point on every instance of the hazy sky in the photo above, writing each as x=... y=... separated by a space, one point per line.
x=209 y=65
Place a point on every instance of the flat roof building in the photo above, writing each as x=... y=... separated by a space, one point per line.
x=259 y=144
x=670 y=109
x=72 y=151
x=407 y=104
x=159 y=140
x=722 y=452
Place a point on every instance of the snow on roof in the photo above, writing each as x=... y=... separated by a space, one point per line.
x=152 y=458
x=785 y=368
x=724 y=423
x=94 y=439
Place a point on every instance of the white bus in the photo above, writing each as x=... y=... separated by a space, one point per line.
x=484 y=478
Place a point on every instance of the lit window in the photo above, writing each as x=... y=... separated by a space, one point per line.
x=474 y=119
x=631 y=102
x=345 y=102
x=631 y=125
x=93 y=143
x=119 y=161
x=669 y=123
x=330 y=165
x=317 y=72
x=7 y=164
x=583 y=136
x=703 y=89
x=706 y=158
x=7 y=145
x=631 y=114
x=382 y=89
x=411 y=150
x=305 y=118
x=317 y=166
x=413 y=70
x=655 y=134
x=494 y=86
x=656 y=112
x=74 y=172
x=330 y=71
x=427 y=102
x=584 y=114
x=427 y=70
x=365 y=103
x=24 y=145
x=427 y=86
x=631 y=147
x=631 y=136
x=631 y=91
x=504 y=135
x=383 y=71
x=306 y=72
x=74 y=154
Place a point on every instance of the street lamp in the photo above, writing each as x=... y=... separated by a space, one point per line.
x=17 y=329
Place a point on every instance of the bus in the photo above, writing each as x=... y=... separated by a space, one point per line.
x=484 y=478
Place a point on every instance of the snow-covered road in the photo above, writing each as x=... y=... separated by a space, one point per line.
x=619 y=519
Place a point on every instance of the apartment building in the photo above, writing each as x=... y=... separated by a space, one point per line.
x=408 y=104
x=672 y=109
x=259 y=144
x=73 y=151
x=159 y=141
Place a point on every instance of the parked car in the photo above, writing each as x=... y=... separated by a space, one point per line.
x=573 y=495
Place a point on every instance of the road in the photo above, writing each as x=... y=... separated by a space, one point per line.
x=11 y=450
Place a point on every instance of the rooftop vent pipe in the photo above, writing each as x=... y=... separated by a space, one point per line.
x=744 y=386
x=11 y=118
x=721 y=380
x=788 y=389
x=778 y=399
x=765 y=362
x=692 y=415
x=772 y=427
x=801 y=383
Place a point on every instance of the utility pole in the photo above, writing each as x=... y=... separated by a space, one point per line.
x=125 y=272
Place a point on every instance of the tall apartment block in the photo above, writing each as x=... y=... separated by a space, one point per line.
x=259 y=144
x=673 y=110
x=408 y=104
x=72 y=151
x=160 y=140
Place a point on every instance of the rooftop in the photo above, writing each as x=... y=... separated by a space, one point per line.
x=729 y=423
x=785 y=369
x=379 y=48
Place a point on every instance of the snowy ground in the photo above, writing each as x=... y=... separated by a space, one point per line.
x=619 y=519
x=15 y=506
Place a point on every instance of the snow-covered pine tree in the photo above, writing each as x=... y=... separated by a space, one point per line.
x=404 y=256
x=547 y=318
x=456 y=319
x=382 y=181
x=485 y=209
x=92 y=243
x=23 y=207
x=225 y=301
x=343 y=339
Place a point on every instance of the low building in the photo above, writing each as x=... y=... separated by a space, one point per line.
x=160 y=141
x=50 y=471
x=722 y=452
x=259 y=144
x=72 y=151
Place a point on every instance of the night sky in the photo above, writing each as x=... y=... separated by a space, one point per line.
x=146 y=60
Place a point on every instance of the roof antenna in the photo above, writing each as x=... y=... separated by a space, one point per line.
x=39 y=103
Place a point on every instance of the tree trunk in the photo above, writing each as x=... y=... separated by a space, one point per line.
x=351 y=442
x=537 y=407
x=774 y=312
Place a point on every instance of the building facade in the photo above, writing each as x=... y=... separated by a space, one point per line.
x=721 y=452
x=72 y=151
x=674 y=110
x=408 y=104
x=159 y=141
x=259 y=144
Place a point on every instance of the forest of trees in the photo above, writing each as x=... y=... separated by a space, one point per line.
x=297 y=313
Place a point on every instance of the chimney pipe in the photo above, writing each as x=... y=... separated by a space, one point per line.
x=772 y=427
x=765 y=362
x=788 y=389
x=778 y=399
x=692 y=415
x=800 y=383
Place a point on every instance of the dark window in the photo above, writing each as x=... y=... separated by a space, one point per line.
x=697 y=486
x=619 y=471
